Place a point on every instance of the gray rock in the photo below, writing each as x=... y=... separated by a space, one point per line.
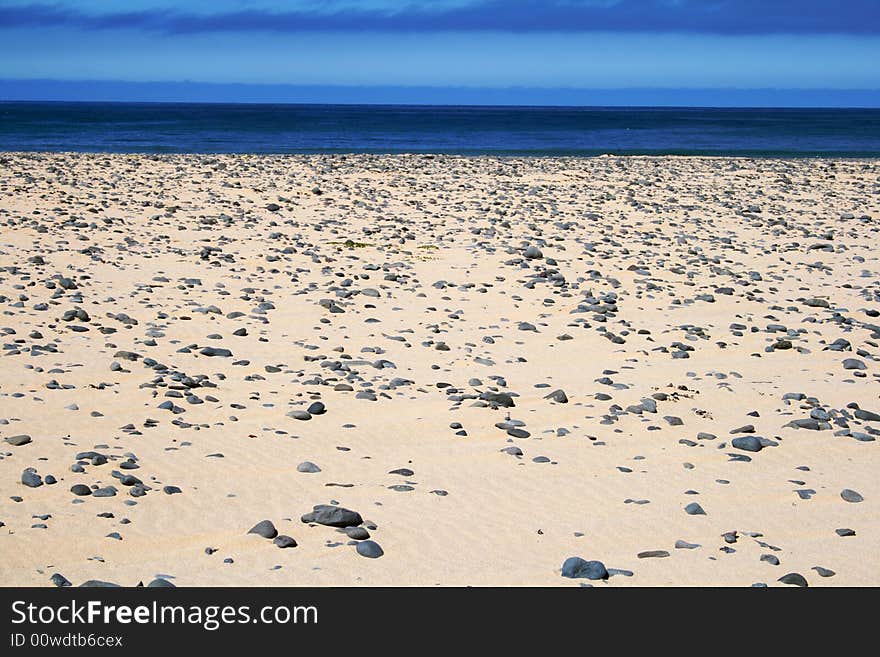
x=498 y=399
x=747 y=428
x=747 y=443
x=793 y=579
x=333 y=516
x=357 y=533
x=317 y=408
x=264 y=528
x=284 y=541
x=216 y=351
x=694 y=509
x=578 y=568
x=307 y=467
x=18 y=441
x=97 y=583
x=60 y=580
x=851 y=495
x=369 y=549
x=558 y=396
x=31 y=479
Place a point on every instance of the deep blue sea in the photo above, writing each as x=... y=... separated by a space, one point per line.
x=575 y=131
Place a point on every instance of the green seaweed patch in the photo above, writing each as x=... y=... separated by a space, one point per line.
x=351 y=244
x=428 y=247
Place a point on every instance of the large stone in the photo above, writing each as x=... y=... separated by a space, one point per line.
x=333 y=516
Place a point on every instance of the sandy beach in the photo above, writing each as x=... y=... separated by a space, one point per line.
x=665 y=365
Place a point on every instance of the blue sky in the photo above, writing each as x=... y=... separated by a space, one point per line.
x=665 y=44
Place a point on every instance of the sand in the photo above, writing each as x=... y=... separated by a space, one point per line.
x=402 y=293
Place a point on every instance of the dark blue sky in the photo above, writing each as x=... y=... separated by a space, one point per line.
x=582 y=44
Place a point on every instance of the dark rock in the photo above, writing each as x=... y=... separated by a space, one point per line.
x=793 y=579
x=31 y=479
x=577 y=568
x=558 y=396
x=216 y=351
x=264 y=528
x=747 y=443
x=332 y=516
x=60 y=580
x=317 y=408
x=851 y=495
x=369 y=549
x=96 y=583
x=284 y=541
x=357 y=533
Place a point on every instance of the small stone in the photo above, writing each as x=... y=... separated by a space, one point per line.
x=357 y=533
x=578 y=568
x=558 y=396
x=60 y=580
x=793 y=579
x=369 y=549
x=851 y=495
x=264 y=528
x=31 y=479
x=97 y=583
x=316 y=408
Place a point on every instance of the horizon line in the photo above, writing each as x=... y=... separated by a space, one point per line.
x=249 y=93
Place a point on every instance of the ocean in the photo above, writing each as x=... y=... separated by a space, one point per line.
x=538 y=131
